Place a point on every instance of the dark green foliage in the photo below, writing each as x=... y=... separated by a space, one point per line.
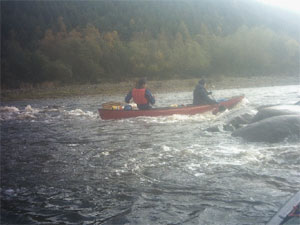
x=91 y=41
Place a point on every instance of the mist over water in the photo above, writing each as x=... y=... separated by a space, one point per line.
x=62 y=164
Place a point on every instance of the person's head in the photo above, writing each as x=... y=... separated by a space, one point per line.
x=141 y=83
x=202 y=82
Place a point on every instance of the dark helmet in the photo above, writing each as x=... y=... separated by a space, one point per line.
x=141 y=82
x=201 y=82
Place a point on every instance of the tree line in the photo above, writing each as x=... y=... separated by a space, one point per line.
x=98 y=41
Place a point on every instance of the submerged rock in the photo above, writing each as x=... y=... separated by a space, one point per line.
x=274 y=129
x=216 y=128
x=277 y=110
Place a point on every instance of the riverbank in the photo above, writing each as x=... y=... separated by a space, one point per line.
x=216 y=83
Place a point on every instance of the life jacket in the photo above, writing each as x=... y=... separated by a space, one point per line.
x=138 y=96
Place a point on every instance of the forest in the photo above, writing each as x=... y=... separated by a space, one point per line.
x=81 y=42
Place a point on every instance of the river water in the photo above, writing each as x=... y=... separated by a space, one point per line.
x=62 y=164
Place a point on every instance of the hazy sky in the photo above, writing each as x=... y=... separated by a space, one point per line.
x=287 y=4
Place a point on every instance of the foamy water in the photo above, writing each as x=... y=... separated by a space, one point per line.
x=62 y=164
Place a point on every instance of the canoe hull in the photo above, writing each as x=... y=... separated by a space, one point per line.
x=107 y=114
x=285 y=214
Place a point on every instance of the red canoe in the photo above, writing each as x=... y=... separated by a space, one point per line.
x=107 y=114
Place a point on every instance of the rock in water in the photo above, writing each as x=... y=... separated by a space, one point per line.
x=274 y=129
x=216 y=128
x=277 y=110
x=238 y=122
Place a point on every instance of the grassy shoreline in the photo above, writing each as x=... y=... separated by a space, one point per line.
x=162 y=86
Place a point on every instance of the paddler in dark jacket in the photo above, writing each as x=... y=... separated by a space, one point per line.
x=201 y=95
x=141 y=95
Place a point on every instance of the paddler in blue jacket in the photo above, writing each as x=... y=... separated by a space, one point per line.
x=201 y=95
x=141 y=95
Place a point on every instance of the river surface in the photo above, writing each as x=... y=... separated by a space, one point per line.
x=62 y=164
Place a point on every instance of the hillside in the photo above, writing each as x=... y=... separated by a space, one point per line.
x=78 y=42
